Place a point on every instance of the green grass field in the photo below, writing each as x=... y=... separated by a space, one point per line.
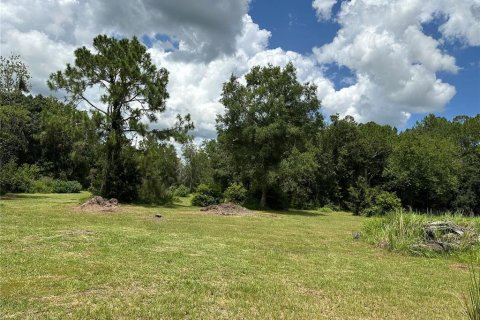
x=57 y=263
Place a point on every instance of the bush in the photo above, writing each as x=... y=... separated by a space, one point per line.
x=382 y=202
x=206 y=195
x=235 y=193
x=61 y=186
x=181 y=191
x=43 y=185
x=49 y=185
x=17 y=179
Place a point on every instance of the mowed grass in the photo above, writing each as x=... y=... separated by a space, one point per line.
x=58 y=263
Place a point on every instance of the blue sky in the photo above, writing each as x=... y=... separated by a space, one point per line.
x=294 y=26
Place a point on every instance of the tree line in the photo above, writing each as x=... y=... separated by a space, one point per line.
x=273 y=144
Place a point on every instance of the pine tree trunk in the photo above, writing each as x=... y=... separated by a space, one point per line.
x=112 y=158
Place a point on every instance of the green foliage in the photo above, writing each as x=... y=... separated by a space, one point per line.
x=50 y=185
x=424 y=170
x=206 y=195
x=403 y=232
x=14 y=75
x=133 y=88
x=196 y=168
x=15 y=128
x=297 y=174
x=381 y=203
x=15 y=178
x=158 y=166
x=472 y=297
x=263 y=120
x=235 y=193
x=181 y=191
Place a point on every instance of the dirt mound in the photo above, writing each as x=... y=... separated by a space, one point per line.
x=98 y=203
x=226 y=209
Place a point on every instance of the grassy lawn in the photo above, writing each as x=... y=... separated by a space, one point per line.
x=59 y=263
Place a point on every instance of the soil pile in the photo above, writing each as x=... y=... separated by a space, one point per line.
x=98 y=203
x=226 y=209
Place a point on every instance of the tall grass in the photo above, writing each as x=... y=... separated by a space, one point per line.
x=472 y=296
x=400 y=231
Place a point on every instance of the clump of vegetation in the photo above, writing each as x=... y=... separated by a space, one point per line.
x=382 y=203
x=235 y=193
x=412 y=233
x=49 y=185
x=15 y=178
x=472 y=297
x=181 y=191
x=206 y=195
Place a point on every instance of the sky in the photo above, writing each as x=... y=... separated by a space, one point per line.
x=389 y=61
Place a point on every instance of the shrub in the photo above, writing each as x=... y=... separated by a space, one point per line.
x=17 y=179
x=43 y=185
x=235 y=193
x=181 y=191
x=49 y=185
x=206 y=195
x=61 y=186
x=382 y=202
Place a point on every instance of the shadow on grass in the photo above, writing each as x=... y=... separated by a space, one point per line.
x=293 y=212
x=20 y=196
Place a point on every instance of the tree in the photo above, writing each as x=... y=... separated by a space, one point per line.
x=158 y=165
x=424 y=169
x=264 y=120
x=133 y=89
x=196 y=167
x=14 y=75
x=15 y=129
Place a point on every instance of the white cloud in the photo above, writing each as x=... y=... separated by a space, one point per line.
x=395 y=63
x=324 y=8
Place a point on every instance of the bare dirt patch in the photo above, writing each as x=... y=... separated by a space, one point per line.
x=99 y=204
x=226 y=209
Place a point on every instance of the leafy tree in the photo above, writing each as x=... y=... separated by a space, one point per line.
x=133 y=89
x=196 y=168
x=337 y=157
x=14 y=75
x=15 y=129
x=424 y=170
x=264 y=120
x=158 y=166
x=297 y=176
x=68 y=141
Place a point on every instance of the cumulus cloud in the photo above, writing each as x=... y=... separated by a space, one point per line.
x=196 y=87
x=395 y=63
x=324 y=8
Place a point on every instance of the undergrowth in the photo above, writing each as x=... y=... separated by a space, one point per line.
x=403 y=232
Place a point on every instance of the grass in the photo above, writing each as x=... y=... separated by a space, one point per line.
x=58 y=263
x=472 y=296
x=403 y=232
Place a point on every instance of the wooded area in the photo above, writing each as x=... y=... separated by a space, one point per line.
x=273 y=147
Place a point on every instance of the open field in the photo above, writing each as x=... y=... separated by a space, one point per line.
x=60 y=263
